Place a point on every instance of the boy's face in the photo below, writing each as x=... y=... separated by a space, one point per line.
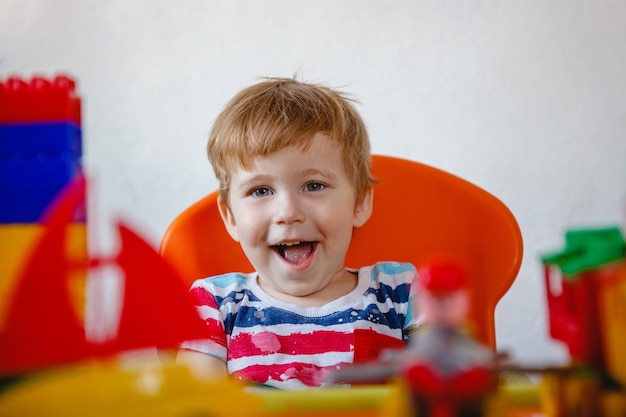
x=293 y=212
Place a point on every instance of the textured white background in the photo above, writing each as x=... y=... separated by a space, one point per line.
x=525 y=98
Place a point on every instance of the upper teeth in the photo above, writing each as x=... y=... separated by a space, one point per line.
x=290 y=243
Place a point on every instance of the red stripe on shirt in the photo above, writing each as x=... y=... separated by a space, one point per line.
x=308 y=374
x=266 y=343
x=366 y=344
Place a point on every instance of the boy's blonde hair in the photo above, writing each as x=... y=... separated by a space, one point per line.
x=282 y=112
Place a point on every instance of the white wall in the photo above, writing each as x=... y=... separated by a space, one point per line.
x=525 y=98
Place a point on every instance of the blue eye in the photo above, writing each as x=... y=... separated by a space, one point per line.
x=315 y=186
x=261 y=192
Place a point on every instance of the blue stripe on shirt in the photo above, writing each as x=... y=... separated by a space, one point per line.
x=249 y=317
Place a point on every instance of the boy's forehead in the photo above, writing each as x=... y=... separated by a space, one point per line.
x=320 y=142
x=321 y=159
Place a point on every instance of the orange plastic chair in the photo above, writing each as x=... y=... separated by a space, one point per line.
x=419 y=211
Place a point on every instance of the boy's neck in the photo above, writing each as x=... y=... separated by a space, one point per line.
x=341 y=285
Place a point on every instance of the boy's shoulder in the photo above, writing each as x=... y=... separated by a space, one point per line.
x=230 y=281
x=391 y=270
x=388 y=276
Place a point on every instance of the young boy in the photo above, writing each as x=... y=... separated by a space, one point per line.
x=293 y=164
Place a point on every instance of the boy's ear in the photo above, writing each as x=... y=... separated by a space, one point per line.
x=363 y=210
x=227 y=218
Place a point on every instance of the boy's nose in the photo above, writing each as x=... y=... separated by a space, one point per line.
x=288 y=210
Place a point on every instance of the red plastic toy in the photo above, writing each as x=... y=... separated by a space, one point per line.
x=40 y=100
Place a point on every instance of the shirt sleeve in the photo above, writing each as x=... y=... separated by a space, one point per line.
x=209 y=312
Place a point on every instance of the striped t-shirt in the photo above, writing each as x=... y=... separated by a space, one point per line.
x=283 y=345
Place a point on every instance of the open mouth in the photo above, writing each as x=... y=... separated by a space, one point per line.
x=295 y=252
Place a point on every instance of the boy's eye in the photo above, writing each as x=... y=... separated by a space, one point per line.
x=315 y=186
x=261 y=192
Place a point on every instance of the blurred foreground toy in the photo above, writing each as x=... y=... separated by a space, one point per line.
x=43 y=338
x=42 y=328
x=450 y=374
x=586 y=291
x=447 y=373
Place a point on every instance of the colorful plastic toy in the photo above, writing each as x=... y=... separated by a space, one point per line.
x=40 y=144
x=40 y=153
x=586 y=291
x=39 y=100
x=157 y=310
x=445 y=371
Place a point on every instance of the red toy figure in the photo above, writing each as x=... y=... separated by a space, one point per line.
x=449 y=373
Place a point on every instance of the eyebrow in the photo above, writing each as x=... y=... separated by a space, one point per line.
x=261 y=178
x=254 y=180
x=314 y=171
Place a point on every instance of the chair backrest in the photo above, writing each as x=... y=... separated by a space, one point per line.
x=418 y=211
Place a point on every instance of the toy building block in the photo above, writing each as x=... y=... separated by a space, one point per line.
x=39 y=100
x=587 y=309
x=36 y=162
x=40 y=153
x=575 y=309
x=40 y=144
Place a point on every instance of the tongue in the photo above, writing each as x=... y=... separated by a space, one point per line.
x=298 y=253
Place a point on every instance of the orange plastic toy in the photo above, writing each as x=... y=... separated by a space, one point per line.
x=419 y=211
